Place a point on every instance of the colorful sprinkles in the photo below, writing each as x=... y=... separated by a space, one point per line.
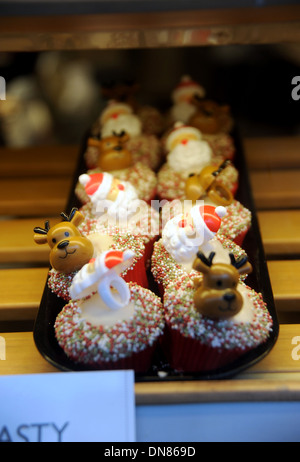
x=171 y=184
x=181 y=315
x=165 y=268
x=94 y=345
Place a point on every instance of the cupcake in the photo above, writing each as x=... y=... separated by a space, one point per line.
x=110 y=324
x=205 y=189
x=188 y=153
x=118 y=117
x=214 y=319
x=139 y=176
x=71 y=247
x=185 y=234
x=113 y=203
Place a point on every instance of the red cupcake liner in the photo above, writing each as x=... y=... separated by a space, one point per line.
x=140 y=362
x=239 y=239
x=138 y=273
x=190 y=355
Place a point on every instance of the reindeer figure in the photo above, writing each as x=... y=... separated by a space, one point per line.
x=113 y=154
x=69 y=249
x=124 y=91
x=216 y=295
x=204 y=184
x=210 y=117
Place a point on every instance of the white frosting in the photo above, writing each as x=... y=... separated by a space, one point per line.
x=246 y=313
x=130 y=123
x=101 y=242
x=221 y=256
x=95 y=311
x=176 y=241
x=123 y=206
x=191 y=157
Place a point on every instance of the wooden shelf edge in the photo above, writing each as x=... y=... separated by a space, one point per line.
x=218 y=391
x=151 y=29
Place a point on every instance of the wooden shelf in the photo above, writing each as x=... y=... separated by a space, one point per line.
x=272 y=24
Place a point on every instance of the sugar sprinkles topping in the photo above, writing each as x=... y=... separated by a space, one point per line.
x=181 y=315
x=59 y=283
x=90 y=344
x=165 y=268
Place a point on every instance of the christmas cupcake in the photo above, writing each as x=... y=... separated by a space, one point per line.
x=204 y=188
x=183 y=236
x=71 y=248
x=119 y=118
x=110 y=324
x=188 y=153
x=115 y=204
x=139 y=176
x=214 y=319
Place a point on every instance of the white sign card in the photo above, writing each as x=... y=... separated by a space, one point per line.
x=96 y=406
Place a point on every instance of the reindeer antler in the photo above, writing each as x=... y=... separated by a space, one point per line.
x=70 y=216
x=40 y=230
x=221 y=167
x=119 y=135
x=239 y=262
x=204 y=259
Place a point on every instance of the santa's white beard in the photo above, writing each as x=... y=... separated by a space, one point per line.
x=175 y=240
x=121 y=209
x=191 y=157
x=129 y=123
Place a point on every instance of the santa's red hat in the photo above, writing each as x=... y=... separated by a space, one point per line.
x=187 y=86
x=117 y=260
x=97 y=185
x=207 y=218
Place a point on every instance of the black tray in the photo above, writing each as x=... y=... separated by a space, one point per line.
x=259 y=280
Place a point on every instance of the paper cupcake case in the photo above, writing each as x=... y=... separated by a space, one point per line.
x=196 y=343
x=129 y=344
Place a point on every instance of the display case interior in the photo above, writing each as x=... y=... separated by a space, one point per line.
x=65 y=89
